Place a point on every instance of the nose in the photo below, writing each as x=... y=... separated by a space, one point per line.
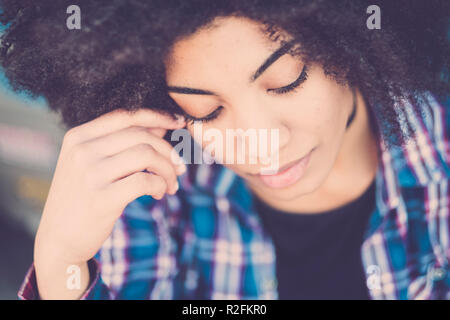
x=262 y=133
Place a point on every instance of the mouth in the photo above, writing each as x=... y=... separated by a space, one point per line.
x=283 y=168
x=287 y=174
x=289 y=165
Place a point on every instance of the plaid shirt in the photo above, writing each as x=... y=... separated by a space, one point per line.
x=207 y=241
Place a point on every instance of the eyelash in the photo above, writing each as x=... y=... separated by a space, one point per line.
x=283 y=90
x=213 y=115
x=294 y=85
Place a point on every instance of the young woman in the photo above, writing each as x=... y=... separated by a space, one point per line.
x=359 y=205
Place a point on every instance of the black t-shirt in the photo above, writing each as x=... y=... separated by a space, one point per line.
x=318 y=256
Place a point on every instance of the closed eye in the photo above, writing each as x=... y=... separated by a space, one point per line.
x=213 y=115
x=290 y=87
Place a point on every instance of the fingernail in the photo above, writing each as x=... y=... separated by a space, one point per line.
x=179 y=118
x=157 y=196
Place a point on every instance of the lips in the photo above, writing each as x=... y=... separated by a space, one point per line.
x=288 y=174
x=289 y=165
x=285 y=167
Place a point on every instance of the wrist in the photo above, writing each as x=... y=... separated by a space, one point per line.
x=52 y=252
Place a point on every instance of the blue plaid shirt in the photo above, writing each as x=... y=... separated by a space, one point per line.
x=207 y=240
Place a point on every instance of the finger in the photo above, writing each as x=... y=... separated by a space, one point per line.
x=158 y=132
x=121 y=140
x=138 y=158
x=119 y=119
x=134 y=186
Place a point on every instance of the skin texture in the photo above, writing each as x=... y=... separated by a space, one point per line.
x=221 y=59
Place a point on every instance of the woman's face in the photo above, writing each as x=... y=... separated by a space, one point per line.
x=219 y=63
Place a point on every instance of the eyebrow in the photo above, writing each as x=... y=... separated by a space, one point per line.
x=266 y=64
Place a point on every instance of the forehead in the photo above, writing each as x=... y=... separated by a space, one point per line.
x=230 y=44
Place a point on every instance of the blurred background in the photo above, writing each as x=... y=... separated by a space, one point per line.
x=30 y=139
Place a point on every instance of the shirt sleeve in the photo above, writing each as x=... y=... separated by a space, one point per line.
x=97 y=289
x=137 y=261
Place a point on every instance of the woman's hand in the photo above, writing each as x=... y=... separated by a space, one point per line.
x=99 y=171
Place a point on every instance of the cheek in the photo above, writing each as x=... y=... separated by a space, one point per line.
x=329 y=123
x=322 y=114
x=320 y=108
x=319 y=121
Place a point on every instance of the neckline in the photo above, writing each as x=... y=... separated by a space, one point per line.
x=343 y=210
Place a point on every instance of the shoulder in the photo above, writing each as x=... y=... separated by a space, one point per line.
x=425 y=157
x=436 y=117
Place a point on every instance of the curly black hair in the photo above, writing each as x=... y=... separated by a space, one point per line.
x=116 y=60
